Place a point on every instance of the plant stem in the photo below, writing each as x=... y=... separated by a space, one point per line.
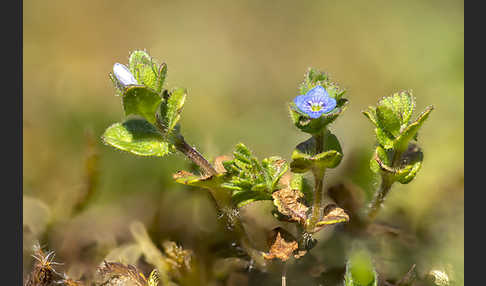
x=379 y=197
x=386 y=183
x=194 y=155
x=317 y=207
x=284 y=274
x=221 y=197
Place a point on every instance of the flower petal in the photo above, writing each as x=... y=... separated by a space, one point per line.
x=123 y=75
x=318 y=91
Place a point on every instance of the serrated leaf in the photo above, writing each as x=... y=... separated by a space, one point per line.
x=138 y=137
x=251 y=180
x=401 y=143
x=142 y=101
x=169 y=113
x=146 y=71
x=276 y=168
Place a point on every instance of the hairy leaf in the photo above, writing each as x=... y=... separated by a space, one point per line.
x=138 y=137
x=170 y=111
x=142 y=101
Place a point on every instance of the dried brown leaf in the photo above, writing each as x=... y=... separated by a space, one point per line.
x=115 y=273
x=177 y=257
x=218 y=163
x=332 y=215
x=282 y=247
x=288 y=203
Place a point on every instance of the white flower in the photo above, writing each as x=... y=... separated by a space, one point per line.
x=123 y=75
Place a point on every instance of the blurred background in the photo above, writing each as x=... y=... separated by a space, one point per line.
x=242 y=61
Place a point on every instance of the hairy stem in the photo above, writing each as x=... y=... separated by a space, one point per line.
x=386 y=183
x=194 y=155
x=221 y=197
x=317 y=207
x=379 y=197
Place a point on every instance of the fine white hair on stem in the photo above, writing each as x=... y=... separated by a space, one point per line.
x=123 y=75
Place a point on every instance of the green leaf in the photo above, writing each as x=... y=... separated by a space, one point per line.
x=401 y=143
x=383 y=159
x=304 y=157
x=138 y=137
x=384 y=138
x=410 y=163
x=388 y=120
x=146 y=71
x=208 y=182
x=312 y=78
x=401 y=104
x=371 y=115
x=141 y=101
x=276 y=168
x=170 y=112
x=251 y=180
x=360 y=270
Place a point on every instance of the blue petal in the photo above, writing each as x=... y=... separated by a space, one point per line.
x=315 y=96
x=300 y=101
x=315 y=114
x=329 y=104
x=318 y=91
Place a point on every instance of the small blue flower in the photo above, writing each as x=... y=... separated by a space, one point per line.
x=123 y=75
x=315 y=102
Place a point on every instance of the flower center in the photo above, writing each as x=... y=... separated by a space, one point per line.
x=315 y=106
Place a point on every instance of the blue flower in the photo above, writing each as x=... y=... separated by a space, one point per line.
x=315 y=102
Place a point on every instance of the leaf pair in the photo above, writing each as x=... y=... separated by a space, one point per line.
x=304 y=157
x=410 y=163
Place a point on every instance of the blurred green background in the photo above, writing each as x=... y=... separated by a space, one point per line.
x=242 y=62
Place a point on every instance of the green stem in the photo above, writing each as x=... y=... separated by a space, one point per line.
x=317 y=207
x=379 y=198
x=386 y=183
